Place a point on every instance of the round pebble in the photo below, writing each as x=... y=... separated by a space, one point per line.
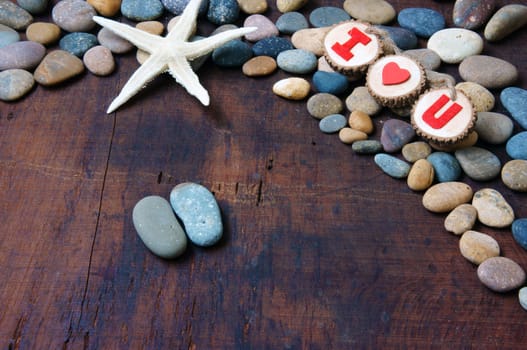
x=330 y=82
x=56 y=67
x=310 y=39
x=8 y=35
x=414 y=151
x=514 y=175
x=326 y=16
x=514 y=99
x=404 y=39
x=361 y=100
x=114 y=42
x=271 y=46
x=232 y=54
x=360 y=121
x=73 y=15
x=519 y=232
x=505 y=21
x=99 y=60
x=422 y=21
x=421 y=175
x=323 y=104
x=78 y=43
x=481 y=98
x=34 y=7
x=290 y=5
x=266 y=28
x=223 y=11
x=197 y=208
x=477 y=247
x=392 y=166
x=291 y=22
x=472 y=14
x=21 y=55
x=444 y=197
x=494 y=128
x=253 y=6
x=461 y=219
x=501 y=274
x=493 y=209
x=142 y=10
x=367 y=147
x=158 y=227
x=297 y=61
x=43 y=33
x=372 y=11
x=107 y=8
x=478 y=163
x=516 y=146
x=446 y=166
x=152 y=27
x=453 y=45
x=350 y=136
x=428 y=58
x=522 y=297
x=14 y=16
x=395 y=134
x=332 y=123
x=15 y=83
x=177 y=6
x=497 y=74
x=259 y=66
x=292 y=88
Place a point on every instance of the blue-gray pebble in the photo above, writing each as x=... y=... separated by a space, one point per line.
x=422 y=21
x=514 y=99
x=232 y=54
x=8 y=35
x=404 y=39
x=367 y=147
x=33 y=6
x=392 y=166
x=517 y=146
x=177 y=6
x=446 y=167
x=78 y=43
x=14 y=16
x=291 y=22
x=519 y=232
x=331 y=82
x=326 y=16
x=142 y=10
x=332 y=123
x=197 y=208
x=478 y=163
x=297 y=61
x=223 y=11
x=271 y=46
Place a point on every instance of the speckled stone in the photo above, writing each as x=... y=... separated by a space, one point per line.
x=115 y=43
x=297 y=61
x=514 y=99
x=421 y=175
x=494 y=128
x=142 y=10
x=439 y=80
x=522 y=297
x=446 y=166
x=21 y=55
x=472 y=14
x=14 y=16
x=332 y=123
x=197 y=208
x=497 y=74
x=514 y=175
x=8 y=35
x=290 y=5
x=478 y=163
x=482 y=99
x=292 y=88
x=372 y=11
x=330 y=82
x=505 y=21
x=177 y=6
x=361 y=100
x=360 y=121
x=326 y=16
x=43 y=32
x=266 y=28
x=78 y=43
x=232 y=54
x=422 y=21
x=428 y=58
x=414 y=151
x=349 y=136
x=56 y=67
x=223 y=11
x=395 y=134
x=477 y=247
x=367 y=147
x=271 y=46
x=34 y=7
x=453 y=45
x=392 y=166
x=99 y=60
x=493 y=209
x=73 y=15
x=252 y=7
x=519 y=232
x=158 y=227
x=404 y=39
x=15 y=83
x=107 y=8
x=291 y=22
x=310 y=39
x=461 y=219
x=259 y=66
x=516 y=146
x=444 y=197
x=323 y=104
x=501 y=274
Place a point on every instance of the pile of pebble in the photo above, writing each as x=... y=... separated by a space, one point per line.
x=294 y=43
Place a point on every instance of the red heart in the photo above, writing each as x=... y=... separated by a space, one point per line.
x=392 y=74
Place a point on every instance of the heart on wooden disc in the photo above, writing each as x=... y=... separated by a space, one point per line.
x=392 y=74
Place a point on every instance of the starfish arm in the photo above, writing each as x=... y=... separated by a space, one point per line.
x=201 y=47
x=143 y=40
x=152 y=67
x=181 y=70
x=186 y=22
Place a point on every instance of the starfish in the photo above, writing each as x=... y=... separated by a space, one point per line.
x=171 y=53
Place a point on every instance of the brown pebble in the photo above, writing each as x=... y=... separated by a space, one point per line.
x=106 y=8
x=445 y=196
x=501 y=274
x=349 y=135
x=468 y=141
x=43 y=33
x=152 y=27
x=414 y=151
x=461 y=219
x=252 y=7
x=99 y=60
x=58 y=66
x=477 y=247
x=323 y=104
x=421 y=175
x=259 y=66
x=359 y=120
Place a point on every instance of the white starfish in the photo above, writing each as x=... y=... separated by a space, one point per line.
x=171 y=53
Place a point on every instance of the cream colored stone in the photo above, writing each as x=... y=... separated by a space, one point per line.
x=252 y=7
x=482 y=99
x=292 y=88
x=349 y=135
x=290 y=5
x=461 y=219
x=445 y=196
x=310 y=39
x=152 y=27
x=477 y=247
x=493 y=209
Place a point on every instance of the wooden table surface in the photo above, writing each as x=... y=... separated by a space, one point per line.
x=321 y=250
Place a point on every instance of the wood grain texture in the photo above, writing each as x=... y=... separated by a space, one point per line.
x=321 y=250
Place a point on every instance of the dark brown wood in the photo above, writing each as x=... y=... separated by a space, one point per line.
x=321 y=250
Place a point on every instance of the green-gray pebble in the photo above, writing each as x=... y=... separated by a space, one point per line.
x=8 y=35
x=323 y=104
x=15 y=83
x=392 y=166
x=14 y=16
x=478 y=163
x=332 y=123
x=367 y=147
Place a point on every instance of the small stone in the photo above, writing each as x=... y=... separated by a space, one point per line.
x=428 y=58
x=446 y=166
x=326 y=16
x=290 y=5
x=361 y=100
x=494 y=128
x=197 y=208
x=14 y=16
x=350 y=136
x=372 y=11
x=56 y=67
x=8 y=35
x=99 y=60
x=367 y=147
x=439 y=80
x=323 y=104
x=404 y=39
x=519 y=232
x=446 y=196
x=453 y=45
x=361 y=121
x=505 y=21
x=107 y=8
x=493 y=209
x=472 y=14
x=422 y=21
x=421 y=175
x=297 y=61
x=330 y=82
x=266 y=28
x=477 y=247
x=501 y=274
x=73 y=15
x=497 y=74
x=516 y=146
x=478 y=163
x=259 y=66
x=522 y=297
x=158 y=227
x=78 y=43
x=223 y=11
x=292 y=88
x=395 y=134
x=152 y=27
x=253 y=6
x=392 y=166
x=43 y=33
x=15 y=83
x=414 y=151
x=461 y=219
x=514 y=175
x=114 y=42
x=332 y=123
x=21 y=55
x=142 y=10
x=514 y=99
x=481 y=98
x=271 y=46
x=177 y=6
x=324 y=66
x=470 y=140
x=34 y=7
x=291 y=22
x=234 y=53
x=310 y=39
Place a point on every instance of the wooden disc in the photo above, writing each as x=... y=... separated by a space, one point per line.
x=438 y=118
x=396 y=81
x=350 y=48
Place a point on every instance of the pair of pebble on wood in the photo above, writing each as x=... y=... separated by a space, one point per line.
x=160 y=230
